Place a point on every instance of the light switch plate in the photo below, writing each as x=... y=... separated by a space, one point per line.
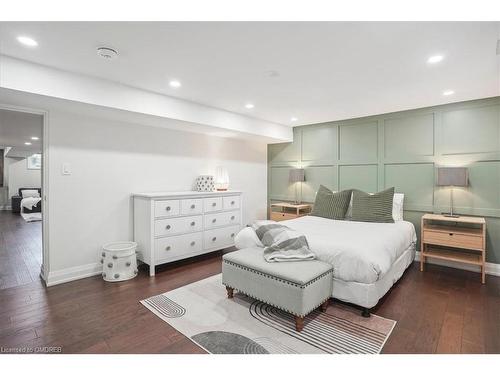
x=66 y=169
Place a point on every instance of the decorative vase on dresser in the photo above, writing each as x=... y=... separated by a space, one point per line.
x=169 y=226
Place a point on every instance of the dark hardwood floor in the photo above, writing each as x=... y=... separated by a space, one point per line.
x=20 y=250
x=442 y=310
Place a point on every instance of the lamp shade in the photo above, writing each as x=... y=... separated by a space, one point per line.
x=452 y=176
x=297 y=175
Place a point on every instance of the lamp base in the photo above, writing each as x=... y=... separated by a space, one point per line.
x=445 y=214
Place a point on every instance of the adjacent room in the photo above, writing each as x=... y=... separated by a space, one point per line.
x=250 y=187
x=21 y=206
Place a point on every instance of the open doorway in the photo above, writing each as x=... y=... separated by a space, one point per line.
x=21 y=244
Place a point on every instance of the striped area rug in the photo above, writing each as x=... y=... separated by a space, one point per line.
x=242 y=325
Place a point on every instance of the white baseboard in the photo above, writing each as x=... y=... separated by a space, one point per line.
x=73 y=273
x=490 y=269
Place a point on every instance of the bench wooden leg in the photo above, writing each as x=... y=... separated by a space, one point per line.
x=324 y=305
x=299 y=323
x=229 y=292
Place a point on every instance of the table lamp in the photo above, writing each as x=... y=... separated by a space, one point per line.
x=297 y=175
x=452 y=177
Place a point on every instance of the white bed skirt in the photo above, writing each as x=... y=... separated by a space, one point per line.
x=368 y=295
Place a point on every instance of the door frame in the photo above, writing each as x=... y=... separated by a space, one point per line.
x=44 y=269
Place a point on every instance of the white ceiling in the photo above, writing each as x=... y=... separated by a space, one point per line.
x=326 y=70
x=17 y=128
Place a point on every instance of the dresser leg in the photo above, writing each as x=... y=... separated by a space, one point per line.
x=483 y=276
x=421 y=262
x=151 y=270
x=229 y=292
x=324 y=305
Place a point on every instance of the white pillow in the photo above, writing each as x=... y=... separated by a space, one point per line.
x=30 y=193
x=397 y=207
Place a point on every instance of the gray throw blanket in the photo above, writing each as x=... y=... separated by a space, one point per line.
x=283 y=244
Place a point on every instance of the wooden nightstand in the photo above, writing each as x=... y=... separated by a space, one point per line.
x=287 y=211
x=459 y=239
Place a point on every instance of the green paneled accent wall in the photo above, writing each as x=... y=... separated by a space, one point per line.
x=402 y=149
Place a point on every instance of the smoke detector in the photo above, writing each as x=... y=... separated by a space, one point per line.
x=107 y=53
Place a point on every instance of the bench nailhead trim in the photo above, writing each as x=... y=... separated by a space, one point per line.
x=301 y=286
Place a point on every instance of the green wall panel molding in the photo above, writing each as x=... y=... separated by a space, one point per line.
x=409 y=137
x=362 y=177
x=325 y=175
x=402 y=149
x=319 y=145
x=358 y=143
x=471 y=130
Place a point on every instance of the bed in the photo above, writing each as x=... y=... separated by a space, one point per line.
x=28 y=204
x=368 y=258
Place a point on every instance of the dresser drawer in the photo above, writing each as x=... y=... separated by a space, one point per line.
x=177 y=246
x=222 y=219
x=191 y=206
x=167 y=208
x=178 y=225
x=220 y=238
x=212 y=204
x=231 y=203
x=452 y=239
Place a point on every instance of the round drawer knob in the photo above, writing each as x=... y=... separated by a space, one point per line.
x=193 y=206
x=193 y=243
x=103 y=254
x=128 y=264
x=232 y=235
x=168 y=227
x=232 y=217
x=167 y=208
x=214 y=239
x=168 y=248
x=110 y=265
x=451 y=234
x=116 y=275
x=115 y=257
x=214 y=204
x=232 y=202
x=214 y=220
x=193 y=223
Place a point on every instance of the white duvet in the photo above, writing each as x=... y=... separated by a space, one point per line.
x=359 y=252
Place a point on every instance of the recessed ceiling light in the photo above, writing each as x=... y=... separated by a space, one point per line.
x=174 y=83
x=107 y=53
x=35 y=138
x=27 y=143
x=249 y=106
x=435 y=59
x=293 y=119
x=448 y=92
x=27 y=41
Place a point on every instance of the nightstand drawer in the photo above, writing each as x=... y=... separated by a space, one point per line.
x=279 y=216
x=452 y=239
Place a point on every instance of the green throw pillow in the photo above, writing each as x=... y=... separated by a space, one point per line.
x=331 y=205
x=375 y=208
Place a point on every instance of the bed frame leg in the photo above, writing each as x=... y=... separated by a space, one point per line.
x=229 y=292
x=365 y=313
x=324 y=305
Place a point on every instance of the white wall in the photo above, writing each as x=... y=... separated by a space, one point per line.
x=20 y=176
x=110 y=160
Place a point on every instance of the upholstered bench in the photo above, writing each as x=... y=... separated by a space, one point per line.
x=296 y=287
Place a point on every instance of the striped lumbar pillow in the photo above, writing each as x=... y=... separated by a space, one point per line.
x=331 y=205
x=375 y=208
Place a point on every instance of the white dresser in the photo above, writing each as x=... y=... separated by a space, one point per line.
x=169 y=226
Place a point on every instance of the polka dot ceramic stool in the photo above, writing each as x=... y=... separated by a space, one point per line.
x=119 y=261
